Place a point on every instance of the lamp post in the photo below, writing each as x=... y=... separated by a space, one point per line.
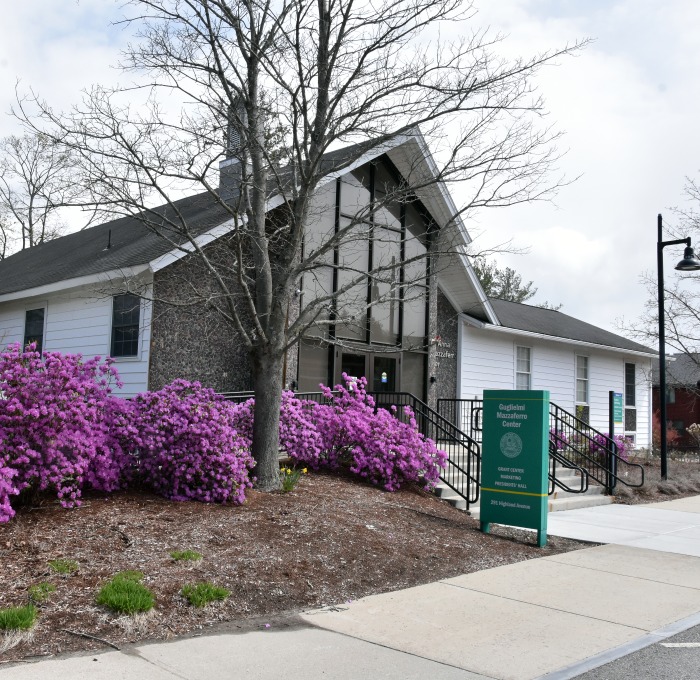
x=689 y=263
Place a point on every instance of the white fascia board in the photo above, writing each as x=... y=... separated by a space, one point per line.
x=474 y=279
x=186 y=248
x=551 y=338
x=77 y=282
x=226 y=227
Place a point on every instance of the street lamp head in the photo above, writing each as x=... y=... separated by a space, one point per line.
x=689 y=263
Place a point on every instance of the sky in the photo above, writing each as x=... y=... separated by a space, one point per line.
x=628 y=104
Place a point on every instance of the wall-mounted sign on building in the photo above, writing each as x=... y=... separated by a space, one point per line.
x=515 y=460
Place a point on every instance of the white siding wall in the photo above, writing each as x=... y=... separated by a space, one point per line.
x=79 y=321
x=488 y=362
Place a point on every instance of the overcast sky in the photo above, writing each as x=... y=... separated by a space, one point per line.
x=629 y=103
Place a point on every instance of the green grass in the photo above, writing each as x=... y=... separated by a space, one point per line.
x=18 y=618
x=129 y=575
x=125 y=594
x=41 y=591
x=202 y=594
x=187 y=555
x=62 y=566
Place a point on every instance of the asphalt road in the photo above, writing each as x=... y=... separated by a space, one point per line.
x=676 y=658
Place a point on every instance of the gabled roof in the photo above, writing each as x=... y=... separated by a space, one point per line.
x=85 y=252
x=555 y=324
x=682 y=370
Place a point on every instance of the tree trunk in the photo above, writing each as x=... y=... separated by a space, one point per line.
x=267 y=369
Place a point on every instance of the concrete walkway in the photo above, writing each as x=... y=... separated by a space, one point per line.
x=556 y=616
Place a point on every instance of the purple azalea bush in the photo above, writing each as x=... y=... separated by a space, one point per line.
x=52 y=415
x=298 y=433
x=598 y=446
x=188 y=447
x=63 y=431
x=372 y=443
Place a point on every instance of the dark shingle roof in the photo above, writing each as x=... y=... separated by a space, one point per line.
x=550 y=322
x=85 y=252
x=682 y=370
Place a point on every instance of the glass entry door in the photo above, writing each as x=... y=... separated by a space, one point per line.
x=384 y=373
x=381 y=370
x=355 y=365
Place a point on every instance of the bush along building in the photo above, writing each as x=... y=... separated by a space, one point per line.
x=404 y=307
x=119 y=289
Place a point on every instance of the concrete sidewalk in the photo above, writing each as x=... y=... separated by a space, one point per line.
x=557 y=615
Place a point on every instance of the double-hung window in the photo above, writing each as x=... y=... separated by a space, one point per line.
x=581 y=379
x=126 y=312
x=523 y=368
x=34 y=328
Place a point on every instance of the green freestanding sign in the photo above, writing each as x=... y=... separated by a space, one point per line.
x=515 y=460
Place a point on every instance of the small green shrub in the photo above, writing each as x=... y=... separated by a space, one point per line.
x=63 y=566
x=41 y=591
x=125 y=595
x=290 y=477
x=186 y=555
x=18 y=618
x=201 y=594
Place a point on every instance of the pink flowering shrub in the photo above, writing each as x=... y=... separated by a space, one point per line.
x=598 y=446
x=375 y=445
x=188 y=447
x=52 y=415
x=298 y=433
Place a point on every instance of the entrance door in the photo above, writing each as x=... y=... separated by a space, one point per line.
x=355 y=365
x=384 y=373
x=381 y=370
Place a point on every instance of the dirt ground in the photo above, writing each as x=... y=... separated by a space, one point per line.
x=683 y=480
x=331 y=540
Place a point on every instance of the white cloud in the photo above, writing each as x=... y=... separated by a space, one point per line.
x=628 y=102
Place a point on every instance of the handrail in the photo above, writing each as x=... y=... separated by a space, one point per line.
x=463 y=470
x=589 y=448
x=554 y=481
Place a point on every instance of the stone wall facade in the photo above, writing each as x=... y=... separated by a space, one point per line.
x=193 y=342
x=446 y=348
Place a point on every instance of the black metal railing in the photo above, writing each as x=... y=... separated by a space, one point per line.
x=591 y=450
x=463 y=470
x=240 y=397
x=555 y=481
x=573 y=443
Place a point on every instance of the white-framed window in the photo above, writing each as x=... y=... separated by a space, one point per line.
x=34 y=326
x=523 y=368
x=581 y=379
x=126 y=317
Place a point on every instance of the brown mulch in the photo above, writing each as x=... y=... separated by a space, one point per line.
x=331 y=540
x=683 y=480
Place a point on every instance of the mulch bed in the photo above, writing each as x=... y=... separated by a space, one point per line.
x=331 y=540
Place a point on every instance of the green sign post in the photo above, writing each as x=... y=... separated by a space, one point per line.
x=515 y=460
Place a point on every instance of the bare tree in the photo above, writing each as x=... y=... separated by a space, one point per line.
x=37 y=179
x=681 y=292
x=294 y=81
